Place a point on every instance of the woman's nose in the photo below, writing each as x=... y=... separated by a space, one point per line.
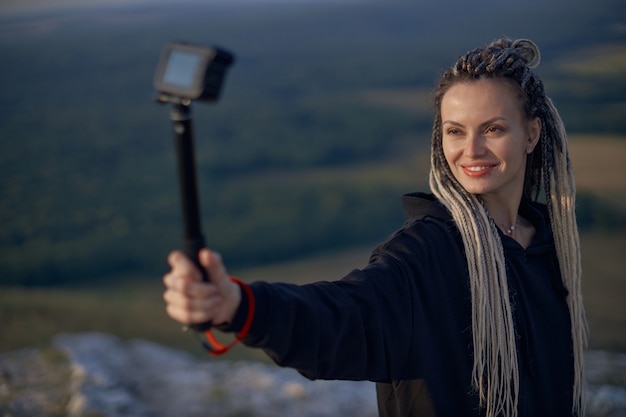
x=474 y=145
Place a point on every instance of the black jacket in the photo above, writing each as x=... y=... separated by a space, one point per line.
x=404 y=321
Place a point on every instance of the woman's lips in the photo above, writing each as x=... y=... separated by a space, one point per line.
x=477 y=170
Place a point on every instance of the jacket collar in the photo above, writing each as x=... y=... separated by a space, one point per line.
x=419 y=205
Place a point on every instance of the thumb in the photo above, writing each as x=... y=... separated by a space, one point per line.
x=212 y=262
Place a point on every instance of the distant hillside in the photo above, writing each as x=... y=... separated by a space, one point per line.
x=87 y=167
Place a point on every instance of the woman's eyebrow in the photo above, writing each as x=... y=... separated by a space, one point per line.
x=487 y=122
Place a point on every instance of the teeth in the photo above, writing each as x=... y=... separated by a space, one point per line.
x=480 y=168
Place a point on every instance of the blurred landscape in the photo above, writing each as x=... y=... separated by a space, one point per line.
x=323 y=123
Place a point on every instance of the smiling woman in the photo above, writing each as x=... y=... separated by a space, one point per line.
x=457 y=313
x=476 y=210
x=486 y=140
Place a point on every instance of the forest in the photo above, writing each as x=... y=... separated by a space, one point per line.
x=305 y=153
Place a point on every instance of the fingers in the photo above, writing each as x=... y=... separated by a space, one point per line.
x=190 y=310
x=183 y=266
x=190 y=300
x=181 y=283
x=212 y=261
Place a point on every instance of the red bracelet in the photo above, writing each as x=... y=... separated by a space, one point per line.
x=216 y=348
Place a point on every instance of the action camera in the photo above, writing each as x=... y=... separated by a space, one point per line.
x=191 y=72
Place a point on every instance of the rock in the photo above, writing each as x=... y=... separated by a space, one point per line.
x=102 y=375
x=139 y=378
x=606 y=376
x=33 y=383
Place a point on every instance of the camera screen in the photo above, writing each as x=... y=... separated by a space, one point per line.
x=181 y=68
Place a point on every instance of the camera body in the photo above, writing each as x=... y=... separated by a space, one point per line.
x=191 y=72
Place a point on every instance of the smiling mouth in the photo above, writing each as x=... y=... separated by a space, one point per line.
x=477 y=170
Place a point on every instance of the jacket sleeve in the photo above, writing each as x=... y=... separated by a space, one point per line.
x=335 y=330
x=375 y=324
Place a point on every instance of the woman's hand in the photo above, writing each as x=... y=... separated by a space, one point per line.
x=189 y=300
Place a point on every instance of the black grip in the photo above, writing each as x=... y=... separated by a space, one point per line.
x=191 y=247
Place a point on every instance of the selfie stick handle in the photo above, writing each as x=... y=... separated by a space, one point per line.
x=193 y=240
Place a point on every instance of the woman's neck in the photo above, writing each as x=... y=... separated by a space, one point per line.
x=505 y=214
x=503 y=211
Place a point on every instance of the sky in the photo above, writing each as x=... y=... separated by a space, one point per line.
x=21 y=6
x=12 y=6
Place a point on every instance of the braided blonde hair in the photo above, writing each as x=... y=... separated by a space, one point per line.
x=495 y=374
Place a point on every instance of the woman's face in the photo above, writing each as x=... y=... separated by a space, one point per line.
x=487 y=137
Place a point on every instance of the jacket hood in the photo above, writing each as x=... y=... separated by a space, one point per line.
x=420 y=205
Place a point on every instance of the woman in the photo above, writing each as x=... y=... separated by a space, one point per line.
x=474 y=306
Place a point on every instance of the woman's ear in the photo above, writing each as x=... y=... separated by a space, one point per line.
x=534 y=132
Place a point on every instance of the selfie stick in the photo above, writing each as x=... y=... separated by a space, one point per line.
x=193 y=240
x=188 y=72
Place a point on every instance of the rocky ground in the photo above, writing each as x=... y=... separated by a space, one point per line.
x=94 y=374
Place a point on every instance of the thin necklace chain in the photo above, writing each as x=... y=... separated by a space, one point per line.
x=511 y=229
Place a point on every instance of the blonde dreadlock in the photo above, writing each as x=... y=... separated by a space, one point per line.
x=495 y=373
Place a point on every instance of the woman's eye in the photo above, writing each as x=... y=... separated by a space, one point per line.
x=494 y=129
